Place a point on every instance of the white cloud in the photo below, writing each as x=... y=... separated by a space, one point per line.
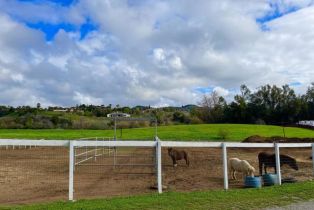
x=221 y=91
x=159 y=55
x=176 y=63
x=86 y=99
x=167 y=59
x=151 y=52
x=17 y=77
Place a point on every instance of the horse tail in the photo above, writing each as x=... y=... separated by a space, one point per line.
x=187 y=159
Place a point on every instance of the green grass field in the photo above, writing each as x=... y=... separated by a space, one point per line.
x=204 y=132
x=232 y=199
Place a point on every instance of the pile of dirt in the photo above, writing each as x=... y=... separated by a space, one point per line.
x=277 y=139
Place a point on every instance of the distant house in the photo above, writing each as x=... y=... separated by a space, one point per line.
x=306 y=123
x=118 y=114
x=63 y=110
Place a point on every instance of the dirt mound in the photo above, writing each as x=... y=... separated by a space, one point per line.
x=261 y=139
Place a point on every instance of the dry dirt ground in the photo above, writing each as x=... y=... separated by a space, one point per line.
x=41 y=174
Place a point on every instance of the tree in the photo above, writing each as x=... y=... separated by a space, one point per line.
x=309 y=102
x=240 y=106
x=212 y=107
x=275 y=105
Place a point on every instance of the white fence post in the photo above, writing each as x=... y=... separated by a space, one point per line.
x=74 y=158
x=225 y=165
x=313 y=157
x=95 y=155
x=159 y=174
x=278 y=171
x=156 y=155
x=71 y=170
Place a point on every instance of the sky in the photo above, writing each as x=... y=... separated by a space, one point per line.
x=150 y=52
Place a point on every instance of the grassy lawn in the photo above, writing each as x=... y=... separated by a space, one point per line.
x=204 y=132
x=232 y=199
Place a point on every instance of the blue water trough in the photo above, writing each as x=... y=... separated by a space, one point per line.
x=253 y=182
x=270 y=179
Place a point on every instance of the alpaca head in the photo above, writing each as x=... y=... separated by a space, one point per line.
x=251 y=171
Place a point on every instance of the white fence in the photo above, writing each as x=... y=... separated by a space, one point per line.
x=84 y=153
x=158 y=145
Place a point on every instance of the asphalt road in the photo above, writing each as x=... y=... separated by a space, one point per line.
x=296 y=206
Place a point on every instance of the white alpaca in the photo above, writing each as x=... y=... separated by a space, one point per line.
x=237 y=165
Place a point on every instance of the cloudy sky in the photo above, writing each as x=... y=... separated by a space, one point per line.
x=150 y=52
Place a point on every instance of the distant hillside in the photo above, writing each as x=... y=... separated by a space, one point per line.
x=91 y=117
x=189 y=107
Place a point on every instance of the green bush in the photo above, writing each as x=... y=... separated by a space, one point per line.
x=223 y=133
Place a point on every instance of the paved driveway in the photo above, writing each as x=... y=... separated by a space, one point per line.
x=296 y=206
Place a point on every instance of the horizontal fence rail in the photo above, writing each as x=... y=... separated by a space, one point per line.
x=139 y=143
x=294 y=145
x=115 y=143
x=158 y=145
x=189 y=144
x=26 y=142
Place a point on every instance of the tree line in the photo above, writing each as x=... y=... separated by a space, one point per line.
x=269 y=104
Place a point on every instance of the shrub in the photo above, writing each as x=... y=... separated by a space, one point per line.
x=196 y=120
x=260 y=122
x=223 y=133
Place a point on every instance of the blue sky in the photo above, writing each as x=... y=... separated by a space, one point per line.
x=275 y=13
x=204 y=90
x=150 y=52
x=60 y=2
x=51 y=29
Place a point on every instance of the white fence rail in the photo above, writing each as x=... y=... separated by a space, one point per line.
x=90 y=152
x=158 y=145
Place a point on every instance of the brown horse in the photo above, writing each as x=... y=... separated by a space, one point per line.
x=269 y=160
x=178 y=155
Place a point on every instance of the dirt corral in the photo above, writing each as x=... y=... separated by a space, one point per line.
x=41 y=174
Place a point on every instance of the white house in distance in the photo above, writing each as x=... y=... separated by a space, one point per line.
x=63 y=110
x=307 y=123
x=118 y=114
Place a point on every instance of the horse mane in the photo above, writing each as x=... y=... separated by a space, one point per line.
x=268 y=155
x=287 y=159
x=287 y=156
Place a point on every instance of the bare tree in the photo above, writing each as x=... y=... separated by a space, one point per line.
x=211 y=107
x=210 y=101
